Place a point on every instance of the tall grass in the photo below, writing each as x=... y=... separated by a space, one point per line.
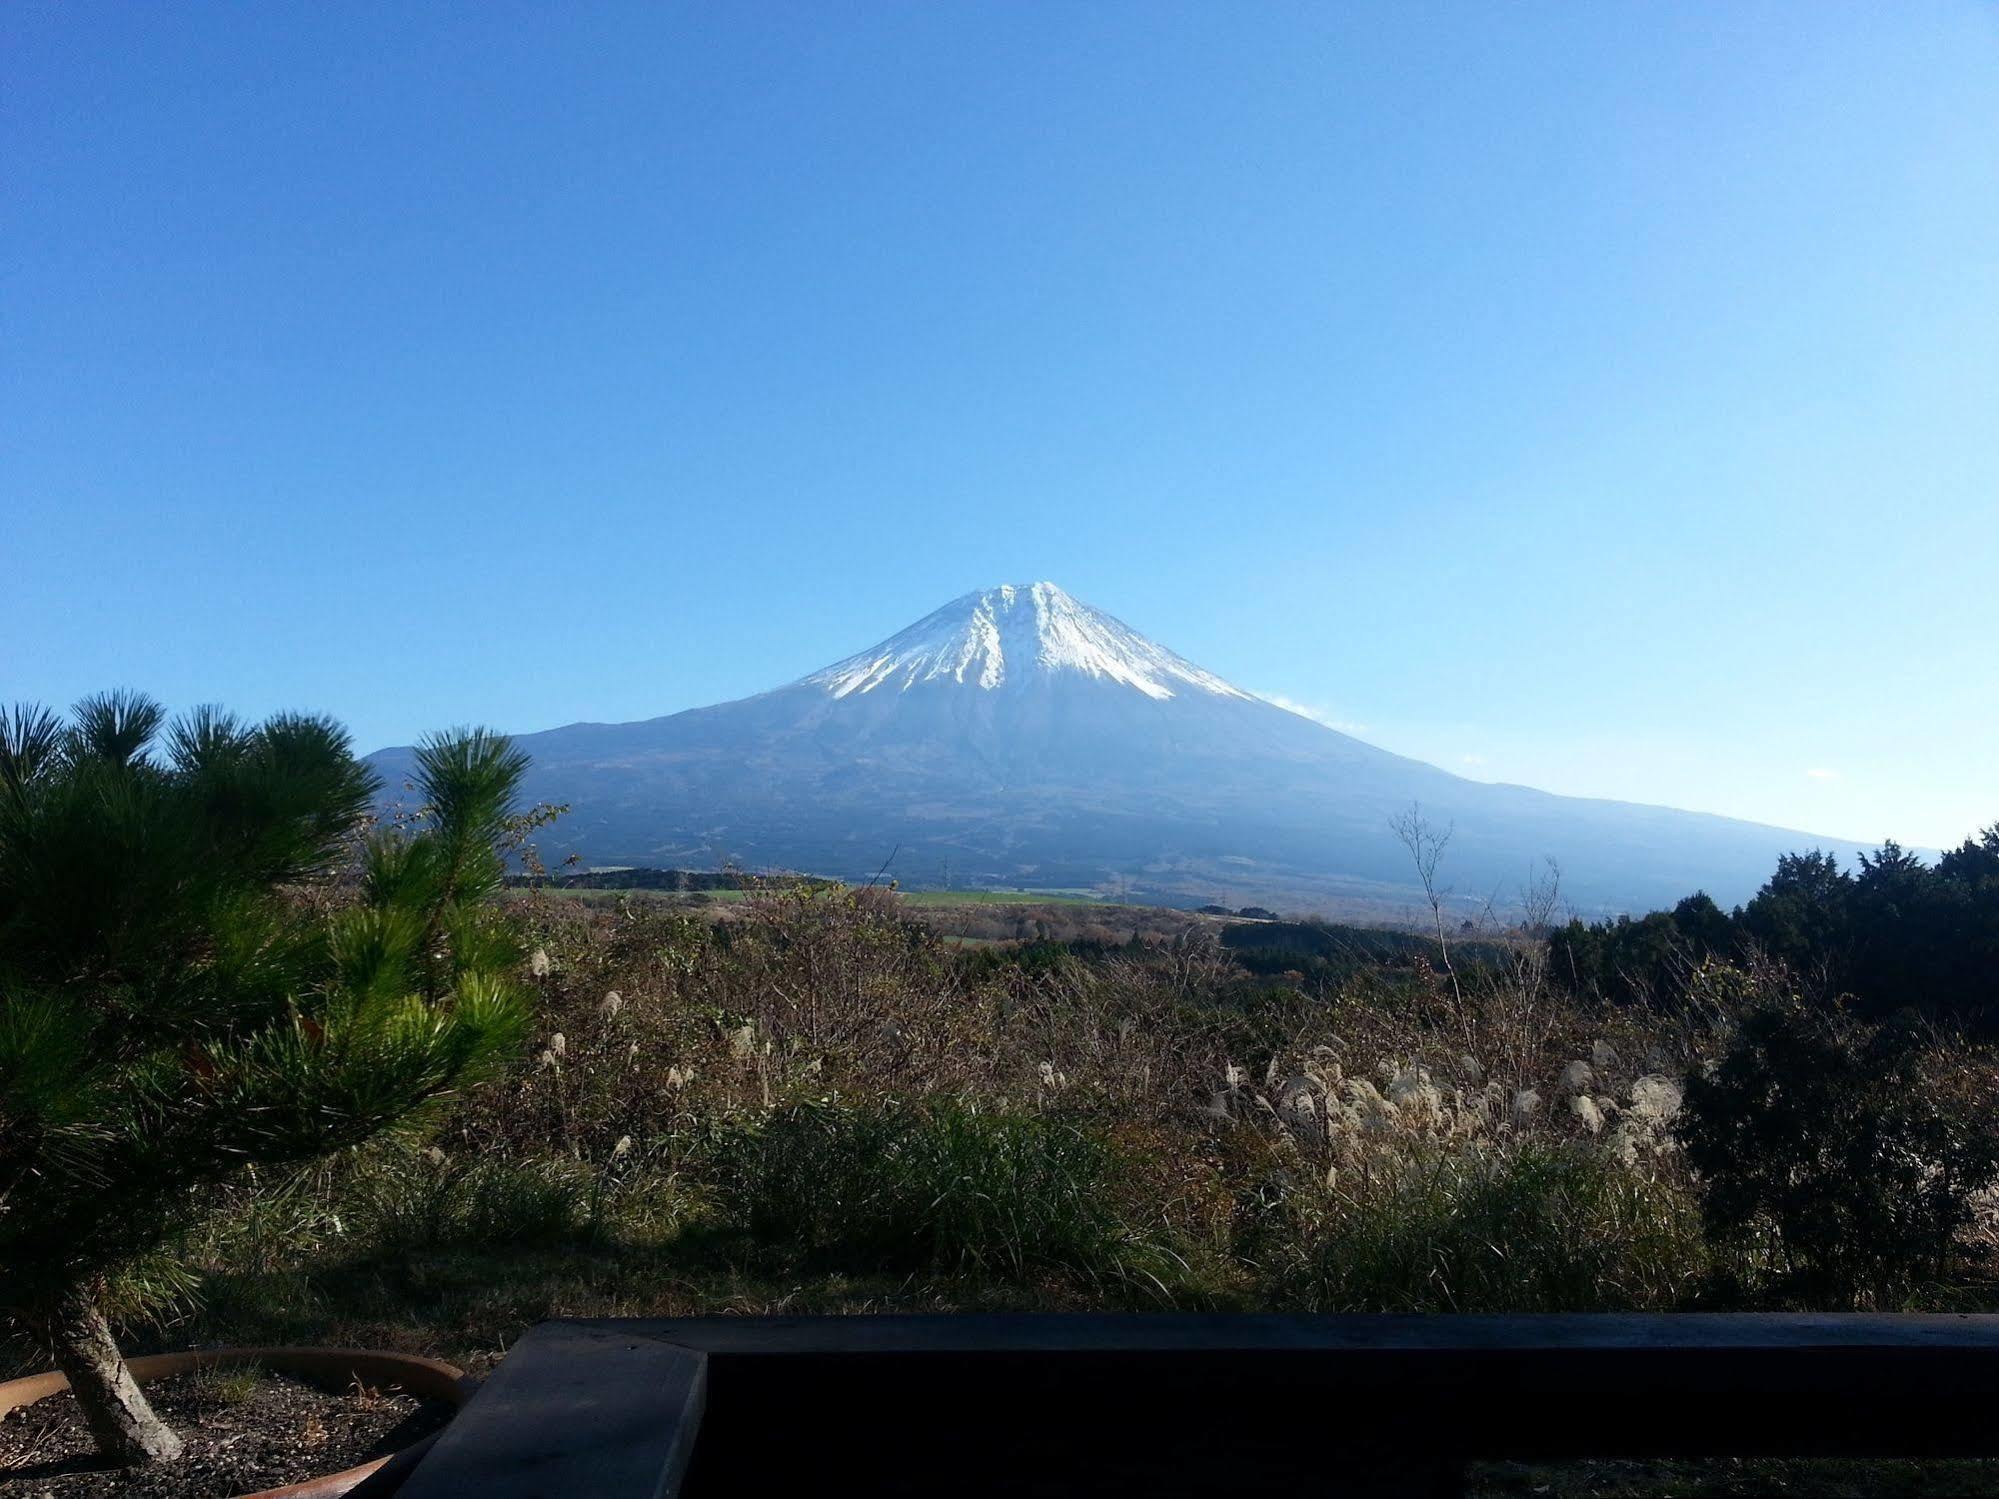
x=415 y=1201
x=1540 y=1227
x=938 y=1186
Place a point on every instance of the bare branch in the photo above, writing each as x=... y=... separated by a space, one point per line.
x=1426 y=850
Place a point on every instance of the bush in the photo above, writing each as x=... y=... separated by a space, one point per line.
x=1535 y=1228
x=937 y=1186
x=1840 y=1147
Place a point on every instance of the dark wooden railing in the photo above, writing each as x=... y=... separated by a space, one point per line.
x=1160 y=1405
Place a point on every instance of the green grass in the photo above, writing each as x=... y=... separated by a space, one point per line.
x=1063 y=897
x=229 y=1384
x=939 y=1186
x=1538 y=1228
x=411 y=1202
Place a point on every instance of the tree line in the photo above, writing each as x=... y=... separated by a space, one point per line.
x=1895 y=934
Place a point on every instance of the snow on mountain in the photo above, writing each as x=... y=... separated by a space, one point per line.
x=1018 y=736
x=1010 y=635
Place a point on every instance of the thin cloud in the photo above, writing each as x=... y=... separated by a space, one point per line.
x=1818 y=773
x=1312 y=711
x=1471 y=759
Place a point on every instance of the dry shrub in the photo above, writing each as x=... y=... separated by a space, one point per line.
x=823 y=1075
x=1260 y=1115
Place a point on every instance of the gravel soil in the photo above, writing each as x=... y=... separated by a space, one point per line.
x=243 y=1433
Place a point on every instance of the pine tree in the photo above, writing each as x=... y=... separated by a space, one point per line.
x=172 y=1013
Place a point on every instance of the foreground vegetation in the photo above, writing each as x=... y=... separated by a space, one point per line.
x=172 y=1017
x=810 y=1097
x=819 y=1102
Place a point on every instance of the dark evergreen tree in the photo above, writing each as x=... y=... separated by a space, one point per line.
x=1802 y=915
x=170 y=1012
x=1897 y=934
x=1703 y=928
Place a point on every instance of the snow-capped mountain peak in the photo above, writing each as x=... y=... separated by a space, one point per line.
x=1016 y=633
x=1018 y=738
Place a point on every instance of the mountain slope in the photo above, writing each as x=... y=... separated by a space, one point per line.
x=1019 y=736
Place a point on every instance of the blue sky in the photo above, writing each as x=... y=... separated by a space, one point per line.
x=1601 y=397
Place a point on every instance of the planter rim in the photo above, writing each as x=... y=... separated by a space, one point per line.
x=433 y=1379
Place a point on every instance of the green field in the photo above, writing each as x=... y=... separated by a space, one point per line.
x=1057 y=897
x=594 y=897
x=920 y=898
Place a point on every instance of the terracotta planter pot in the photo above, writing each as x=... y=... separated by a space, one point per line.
x=334 y=1368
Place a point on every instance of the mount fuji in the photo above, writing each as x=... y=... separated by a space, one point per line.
x=1018 y=737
